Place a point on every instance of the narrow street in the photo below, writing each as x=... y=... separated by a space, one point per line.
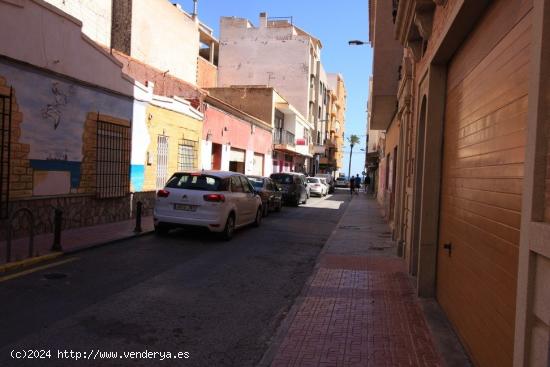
x=188 y=292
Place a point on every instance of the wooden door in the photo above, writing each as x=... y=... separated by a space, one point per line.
x=480 y=213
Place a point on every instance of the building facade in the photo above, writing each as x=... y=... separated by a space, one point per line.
x=291 y=133
x=279 y=54
x=466 y=160
x=234 y=140
x=70 y=137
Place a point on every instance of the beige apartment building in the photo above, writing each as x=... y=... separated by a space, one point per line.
x=460 y=90
x=278 y=54
x=336 y=124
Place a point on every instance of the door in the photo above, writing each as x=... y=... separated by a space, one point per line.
x=236 y=160
x=258 y=168
x=482 y=174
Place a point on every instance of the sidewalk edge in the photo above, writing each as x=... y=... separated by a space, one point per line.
x=94 y=245
x=16 y=265
x=284 y=326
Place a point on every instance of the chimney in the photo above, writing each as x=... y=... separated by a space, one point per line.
x=195 y=8
x=263 y=20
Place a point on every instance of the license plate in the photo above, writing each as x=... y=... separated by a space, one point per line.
x=189 y=208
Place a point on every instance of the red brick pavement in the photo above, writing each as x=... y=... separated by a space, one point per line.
x=358 y=311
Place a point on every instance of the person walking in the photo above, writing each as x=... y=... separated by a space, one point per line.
x=367 y=183
x=357 y=183
x=351 y=185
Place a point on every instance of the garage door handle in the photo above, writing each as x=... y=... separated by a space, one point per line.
x=448 y=247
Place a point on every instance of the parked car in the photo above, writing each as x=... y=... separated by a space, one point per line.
x=327 y=185
x=330 y=180
x=341 y=182
x=294 y=185
x=217 y=200
x=270 y=192
x=317 y=186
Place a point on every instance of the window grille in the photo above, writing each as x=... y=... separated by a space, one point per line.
x=112 y=160
x=162 y=161
x=5 y=151
x=187 y=155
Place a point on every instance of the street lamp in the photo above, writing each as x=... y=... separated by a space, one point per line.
x=358 y=43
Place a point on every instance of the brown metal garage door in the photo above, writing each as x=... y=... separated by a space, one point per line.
x=484 y=143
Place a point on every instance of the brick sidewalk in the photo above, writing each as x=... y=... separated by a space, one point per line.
x=76 y=239
x=359 y=308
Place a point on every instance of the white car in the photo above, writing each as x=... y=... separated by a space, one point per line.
x=218 y=200
x=316 y=186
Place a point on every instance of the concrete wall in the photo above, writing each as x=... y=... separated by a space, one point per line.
x=95 y=16
x=277 y=57
x=207 y=74
x=161 y=35
x=53 y=40
x=257 y=102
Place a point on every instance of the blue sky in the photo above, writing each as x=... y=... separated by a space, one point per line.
x=334 y=23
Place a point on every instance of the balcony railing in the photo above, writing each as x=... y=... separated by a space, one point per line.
x=284 y=137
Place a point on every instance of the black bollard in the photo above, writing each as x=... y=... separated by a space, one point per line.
x=57 y=221
x=139 y=204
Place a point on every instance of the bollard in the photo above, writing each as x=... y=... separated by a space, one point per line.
x=57 y=221
x=139 y=204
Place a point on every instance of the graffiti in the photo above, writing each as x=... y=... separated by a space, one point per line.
x=54 y=111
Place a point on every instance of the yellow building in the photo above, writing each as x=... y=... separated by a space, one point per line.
x=337 y=121
x=166 y=138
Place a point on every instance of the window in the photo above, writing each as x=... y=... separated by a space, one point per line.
x=112 y=160
x=162 y=161
x=236 y=185
x=187 y=155
x=197 y=182
x=246 y=185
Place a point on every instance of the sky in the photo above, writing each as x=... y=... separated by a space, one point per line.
x=334 y=23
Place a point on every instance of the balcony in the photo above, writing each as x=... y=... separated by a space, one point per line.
x=284 y=140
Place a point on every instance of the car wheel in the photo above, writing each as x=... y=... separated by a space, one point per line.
x=266 y=210
x=259 y=215
x=229 y=228
x=161 y=229
x=279 y=206
x=305 y=200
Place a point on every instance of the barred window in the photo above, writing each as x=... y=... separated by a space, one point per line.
x=162 y=161
x=187 y=155
x=112 y=160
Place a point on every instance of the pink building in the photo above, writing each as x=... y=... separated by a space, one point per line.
x=234 y=140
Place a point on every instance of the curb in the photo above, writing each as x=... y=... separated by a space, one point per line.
x=16 y=265
x=27 y=263
x=108 y=242
x=285 y=324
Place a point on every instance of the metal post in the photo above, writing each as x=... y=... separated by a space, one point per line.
x=139 y=205
x=57 y=221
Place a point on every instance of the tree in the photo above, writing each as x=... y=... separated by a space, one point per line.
x=353 y=140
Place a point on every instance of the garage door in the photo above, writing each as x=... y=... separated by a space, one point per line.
x=484 y=140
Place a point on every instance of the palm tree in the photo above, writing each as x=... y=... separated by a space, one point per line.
x=353 y=140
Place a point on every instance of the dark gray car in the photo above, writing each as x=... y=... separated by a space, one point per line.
x=294 y=187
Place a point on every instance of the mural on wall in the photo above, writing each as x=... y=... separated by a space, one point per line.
x=140 y=143
x=54 y=111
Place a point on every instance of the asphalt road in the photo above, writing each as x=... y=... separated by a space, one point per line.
x=220 y=302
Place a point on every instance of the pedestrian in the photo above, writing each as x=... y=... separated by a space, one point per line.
x=357 y=183
x=367 y=183
x=351 y=185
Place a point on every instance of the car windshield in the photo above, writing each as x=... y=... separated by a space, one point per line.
x=312 y=180
x=201 y=182
x=256 y=182
x=282 y=179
